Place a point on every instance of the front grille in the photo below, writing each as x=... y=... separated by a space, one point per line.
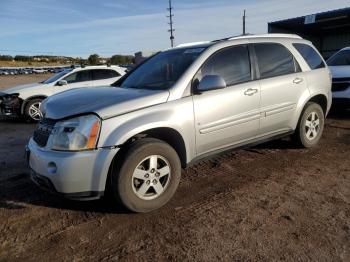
x=43 y=131
x=340 y=86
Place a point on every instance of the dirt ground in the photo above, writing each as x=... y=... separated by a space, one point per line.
x=272 y=202
x=9 y=81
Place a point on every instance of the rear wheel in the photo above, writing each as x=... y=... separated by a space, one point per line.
x=147 y=177
x=310 y=126
x=32 y=110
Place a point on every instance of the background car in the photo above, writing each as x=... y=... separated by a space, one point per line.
x=26 y=99
x=339 y=64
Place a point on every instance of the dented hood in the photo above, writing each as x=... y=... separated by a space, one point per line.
x=104 y=101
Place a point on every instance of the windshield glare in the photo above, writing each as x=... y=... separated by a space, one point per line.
x=340 y=59
x=56 y=76
x=163 y=70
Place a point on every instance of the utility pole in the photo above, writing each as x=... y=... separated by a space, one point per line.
x=171 y=30
x=244 y=23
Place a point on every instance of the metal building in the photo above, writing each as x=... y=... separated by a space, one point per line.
x=329 y=31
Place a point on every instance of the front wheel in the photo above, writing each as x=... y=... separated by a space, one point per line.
x=32 y=110
x=147 y=177
x=310 y=126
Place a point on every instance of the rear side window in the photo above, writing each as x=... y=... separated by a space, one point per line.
x=274 y=60
x=100 y=74
x=77 y=77
x=311 y=57
x=232 y=64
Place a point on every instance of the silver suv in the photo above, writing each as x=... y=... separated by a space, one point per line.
x=177 y=107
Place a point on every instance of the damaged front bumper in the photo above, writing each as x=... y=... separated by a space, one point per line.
x=10 y=105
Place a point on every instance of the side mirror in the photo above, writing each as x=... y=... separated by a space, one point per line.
x=211 y=82
x=62 y=83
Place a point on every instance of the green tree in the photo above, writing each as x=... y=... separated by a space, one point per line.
x=94 y=59
x=121 y=59
x=6 y=58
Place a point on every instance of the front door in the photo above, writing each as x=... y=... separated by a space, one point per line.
x=231 y=115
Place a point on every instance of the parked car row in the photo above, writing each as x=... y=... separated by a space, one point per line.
x=29 y=70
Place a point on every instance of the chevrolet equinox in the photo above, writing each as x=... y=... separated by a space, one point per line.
x=198 y=99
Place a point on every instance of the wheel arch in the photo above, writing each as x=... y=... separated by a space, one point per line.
x=320 y=99
x=25 y=101
x=167 y=134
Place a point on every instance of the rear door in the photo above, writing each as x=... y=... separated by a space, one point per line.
x=282 y=84
x=231 y=115
x=103 y=77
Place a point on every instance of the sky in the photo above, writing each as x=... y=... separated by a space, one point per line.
x=106 y=27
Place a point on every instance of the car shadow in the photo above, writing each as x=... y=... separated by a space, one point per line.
x=25 y=192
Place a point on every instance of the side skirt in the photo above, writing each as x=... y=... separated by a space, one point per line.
x=236 y=147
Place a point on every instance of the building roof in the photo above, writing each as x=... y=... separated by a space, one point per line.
x=333 y=21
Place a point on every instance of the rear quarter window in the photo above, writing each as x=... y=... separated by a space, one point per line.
x=310 y=55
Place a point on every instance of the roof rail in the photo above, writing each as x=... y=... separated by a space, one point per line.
x=193 y=43
x=266 y=35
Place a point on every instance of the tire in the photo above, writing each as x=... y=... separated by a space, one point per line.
x=31 y=110
x=136 y=185
x=310 y=127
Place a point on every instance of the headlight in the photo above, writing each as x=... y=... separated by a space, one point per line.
x=80 y=133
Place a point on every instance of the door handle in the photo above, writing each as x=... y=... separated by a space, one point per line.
x=297 y=80
x=250 y=91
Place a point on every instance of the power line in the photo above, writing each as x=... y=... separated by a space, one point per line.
x=171 y=30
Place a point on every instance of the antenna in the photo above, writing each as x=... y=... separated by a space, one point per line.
x=244 y=23
x=171 y=30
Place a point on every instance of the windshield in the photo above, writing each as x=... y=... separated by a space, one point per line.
x=163 y=70
x=56 y=76
x=341 y=58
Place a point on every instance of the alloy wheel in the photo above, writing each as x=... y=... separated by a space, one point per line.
x=151 y=177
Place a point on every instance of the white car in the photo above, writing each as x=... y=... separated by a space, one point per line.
x=25 y=100
x=339 y=64
x=39 y=71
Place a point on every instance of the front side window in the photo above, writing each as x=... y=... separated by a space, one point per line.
x=311 y=57
x=77 y=77
x=341 y=58
x=99 y=74
x=274 y=60
x=232 y=64
x=162 y=71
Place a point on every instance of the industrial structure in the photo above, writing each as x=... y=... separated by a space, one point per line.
x=329 y=31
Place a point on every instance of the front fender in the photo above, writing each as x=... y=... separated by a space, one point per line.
x=177 y=115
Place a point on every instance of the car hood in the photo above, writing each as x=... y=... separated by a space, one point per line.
x=22 y=88
x=104 y=101
x=340 y=71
